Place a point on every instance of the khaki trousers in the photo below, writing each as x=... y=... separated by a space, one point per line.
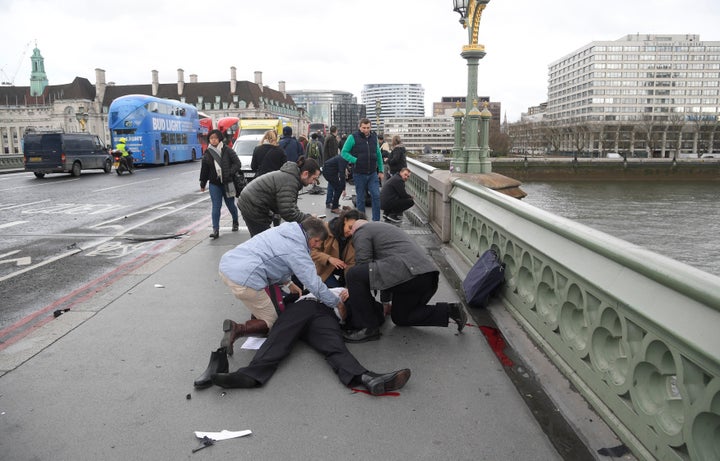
x=258 y=302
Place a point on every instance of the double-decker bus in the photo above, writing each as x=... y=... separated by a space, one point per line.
x=230 y=128
x=319 y=128
x=206 y=124
x=158 y=131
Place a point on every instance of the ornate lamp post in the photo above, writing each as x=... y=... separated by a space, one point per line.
x=470 y=12
x=378 y=109
x=82 y=117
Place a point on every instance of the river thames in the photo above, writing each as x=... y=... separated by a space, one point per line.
x=677 y=220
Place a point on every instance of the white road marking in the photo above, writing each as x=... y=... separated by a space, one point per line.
x=11 y=224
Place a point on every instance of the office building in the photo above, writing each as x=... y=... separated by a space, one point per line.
x=390 y=100
x=650 y=95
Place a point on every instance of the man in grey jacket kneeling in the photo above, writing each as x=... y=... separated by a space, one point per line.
x=387 y=259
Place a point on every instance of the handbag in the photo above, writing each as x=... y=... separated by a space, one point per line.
x=240 y=182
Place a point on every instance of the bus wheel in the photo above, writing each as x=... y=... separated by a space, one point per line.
x=76 y=168
x=39 y=175
x=194 y=155
x=166 y=159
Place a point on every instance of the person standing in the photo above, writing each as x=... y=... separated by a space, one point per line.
x=219 y=165
x=292 y=147
x=387 y=259
x=330 y=146
x=397 y=160
x=361 y=149
x=277 y=193
x=334 y=172
x=267 y=156
x=394 y=198
x=314 y=149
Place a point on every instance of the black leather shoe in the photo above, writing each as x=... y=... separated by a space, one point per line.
x=360 y=336
x=458 y=314
x=236 y=226
x=379 y=384
x=215 y=234
x=218 y=364
x=234 y=380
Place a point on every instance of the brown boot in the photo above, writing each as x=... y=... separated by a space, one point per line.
x=233 y=330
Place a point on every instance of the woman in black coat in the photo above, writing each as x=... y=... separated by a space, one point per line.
x=219 y=165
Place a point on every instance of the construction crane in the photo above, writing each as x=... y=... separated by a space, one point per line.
x=10 y=79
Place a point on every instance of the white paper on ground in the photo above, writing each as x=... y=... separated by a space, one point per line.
x=253 y=343
x=222 y=435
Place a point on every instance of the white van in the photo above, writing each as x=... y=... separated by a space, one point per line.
x=713 y=155
x=614 y=155
x=244 y=147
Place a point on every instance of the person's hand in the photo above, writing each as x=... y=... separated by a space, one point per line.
x=295 y=289
x=337 y=263
x=344 y=295
x=202 y=189
x=341 y=310
x=380 y=176
x=343 y=194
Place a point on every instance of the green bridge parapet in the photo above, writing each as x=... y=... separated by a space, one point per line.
x=637 y=333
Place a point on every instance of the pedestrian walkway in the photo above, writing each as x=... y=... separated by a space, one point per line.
x=112 y=379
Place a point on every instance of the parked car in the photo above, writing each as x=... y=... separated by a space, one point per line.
x=712 y=155
x=244 y=147
x=56 y=152
x=614 y=155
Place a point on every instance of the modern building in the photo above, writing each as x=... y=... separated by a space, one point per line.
x=391 y=100
x=61 y=107
x=649 y=95
x=422 y=134
x=332 y=107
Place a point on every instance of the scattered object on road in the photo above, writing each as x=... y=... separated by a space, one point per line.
x=157 y=285
x=206 y=442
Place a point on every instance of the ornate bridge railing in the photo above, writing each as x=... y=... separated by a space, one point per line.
x=637 y=333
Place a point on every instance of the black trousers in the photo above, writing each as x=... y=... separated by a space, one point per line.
x=409 y=301
x=315 y=324
x=398 y=206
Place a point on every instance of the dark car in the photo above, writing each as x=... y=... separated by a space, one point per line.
x=64 y=153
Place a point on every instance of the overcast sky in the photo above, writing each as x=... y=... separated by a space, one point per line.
x=336 y=45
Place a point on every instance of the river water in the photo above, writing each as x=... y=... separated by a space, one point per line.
x=677 y=220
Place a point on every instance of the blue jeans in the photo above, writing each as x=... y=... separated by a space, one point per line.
x=369 y=183
x=217 y=196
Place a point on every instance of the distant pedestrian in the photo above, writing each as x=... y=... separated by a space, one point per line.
x=397 y=160
x=219 y=165
x=330 y=147
x=362 y=150
x=267 y=156
x=292 y=147
x=334 y=172
x=314 y=149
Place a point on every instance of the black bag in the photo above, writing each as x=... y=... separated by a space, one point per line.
x=240 y=182
x=483 y=279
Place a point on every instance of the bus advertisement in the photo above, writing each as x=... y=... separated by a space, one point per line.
x=158 y=131
x=230 y=128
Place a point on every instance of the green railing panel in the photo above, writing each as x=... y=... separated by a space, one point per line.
x=637 y=333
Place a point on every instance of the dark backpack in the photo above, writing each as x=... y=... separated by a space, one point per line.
x=483 y=279
x=314 y=150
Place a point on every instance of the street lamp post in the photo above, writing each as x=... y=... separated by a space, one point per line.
x=82 y=117
x=378 y=109
x=470 y=11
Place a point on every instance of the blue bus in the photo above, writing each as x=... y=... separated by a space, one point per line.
x=157 y=131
